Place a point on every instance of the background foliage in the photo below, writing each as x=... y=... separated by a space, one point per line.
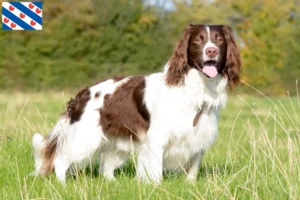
x=84 y=41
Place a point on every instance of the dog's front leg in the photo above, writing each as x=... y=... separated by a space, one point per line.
x=149 y=167
x=193 y=168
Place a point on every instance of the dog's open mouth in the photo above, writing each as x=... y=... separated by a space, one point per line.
x=210 y=69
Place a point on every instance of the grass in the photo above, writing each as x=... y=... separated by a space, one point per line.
x=256 y=156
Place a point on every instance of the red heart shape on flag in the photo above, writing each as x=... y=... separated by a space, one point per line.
x=6 y=20
x=38 y=11
x=22 y=15
x=32 y=23
x=13 y=25
x=31 y=6
x=11 y=8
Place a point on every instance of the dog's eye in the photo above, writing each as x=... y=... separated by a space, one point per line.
x=220 y=40
x=198 y=40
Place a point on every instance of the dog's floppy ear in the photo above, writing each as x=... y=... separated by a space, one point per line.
x=179 y=60
x=233 y=61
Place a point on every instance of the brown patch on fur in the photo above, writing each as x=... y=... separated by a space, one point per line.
x=76 y=106
x=106 y=96
x=178 y=63
x=97 y=95
x=233 y=61
x=48 y=154
x=123 y=113
x=74 y=111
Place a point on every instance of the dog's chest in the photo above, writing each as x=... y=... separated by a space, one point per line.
x=183 y=140
x=175 y=111
x=180 y=148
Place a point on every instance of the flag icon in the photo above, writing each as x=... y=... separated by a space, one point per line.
x=22 y=16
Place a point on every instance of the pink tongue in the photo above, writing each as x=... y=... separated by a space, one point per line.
x=210 y=71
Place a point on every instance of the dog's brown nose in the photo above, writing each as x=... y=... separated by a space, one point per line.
x=211 y=52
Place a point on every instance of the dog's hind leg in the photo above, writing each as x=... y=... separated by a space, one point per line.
x=111 y=161
x=61 y=165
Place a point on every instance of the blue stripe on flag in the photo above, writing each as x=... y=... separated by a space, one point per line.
x=38 y=4
x=5 y=27
x=27 y=11
x=15 y=19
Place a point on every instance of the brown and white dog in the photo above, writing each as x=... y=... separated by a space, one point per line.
x=169 y=119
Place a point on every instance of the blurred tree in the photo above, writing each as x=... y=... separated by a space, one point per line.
x=97 y=39
x=93 y=38
x=263 y=30
x=291 y=70
x=194 y=12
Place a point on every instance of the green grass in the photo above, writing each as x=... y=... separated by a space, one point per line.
x=256 y=156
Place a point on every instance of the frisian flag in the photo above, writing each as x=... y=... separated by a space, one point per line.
x=22 y=16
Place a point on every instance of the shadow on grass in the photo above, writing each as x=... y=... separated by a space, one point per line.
x=90 y=171
x=129 y=171
x=204 y=171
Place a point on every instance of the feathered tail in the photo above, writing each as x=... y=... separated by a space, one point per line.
x=46 y=149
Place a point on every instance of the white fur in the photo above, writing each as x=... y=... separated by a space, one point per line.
x=37 y=143
x=208 y=45
x=171 y=142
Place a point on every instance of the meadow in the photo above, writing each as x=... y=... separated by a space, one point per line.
x=256 y=156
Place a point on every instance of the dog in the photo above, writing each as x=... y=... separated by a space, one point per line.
x=168 y=119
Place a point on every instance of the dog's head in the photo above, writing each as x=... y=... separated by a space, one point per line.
x=210 y=49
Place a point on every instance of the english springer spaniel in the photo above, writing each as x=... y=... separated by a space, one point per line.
x=168 y=119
